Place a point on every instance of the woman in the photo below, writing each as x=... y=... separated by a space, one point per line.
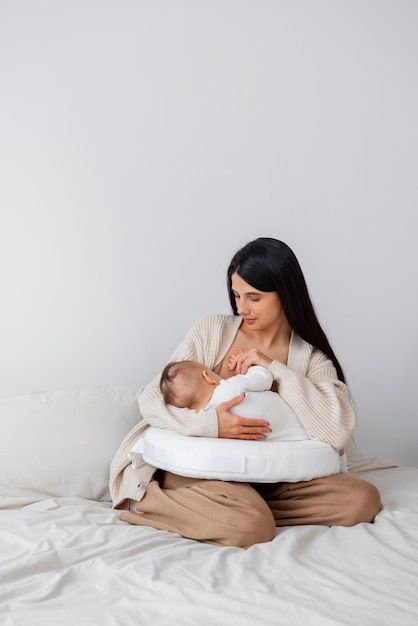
x=274 y=325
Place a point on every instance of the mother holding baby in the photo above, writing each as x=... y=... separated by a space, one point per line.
x=273 y=325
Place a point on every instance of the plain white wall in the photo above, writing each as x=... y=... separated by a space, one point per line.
x=142 y=143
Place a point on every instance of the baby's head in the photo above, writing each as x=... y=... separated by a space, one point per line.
x=187 y=384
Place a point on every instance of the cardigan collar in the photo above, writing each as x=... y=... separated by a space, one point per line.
x=299 y=354
x=299 y=350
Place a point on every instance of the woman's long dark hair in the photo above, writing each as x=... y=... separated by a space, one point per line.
x=270 y=265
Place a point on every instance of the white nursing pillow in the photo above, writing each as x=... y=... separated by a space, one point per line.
x=235 y=460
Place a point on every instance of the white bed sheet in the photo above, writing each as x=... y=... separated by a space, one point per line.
x=70 y=561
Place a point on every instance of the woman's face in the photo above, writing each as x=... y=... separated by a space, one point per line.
x=259 y=309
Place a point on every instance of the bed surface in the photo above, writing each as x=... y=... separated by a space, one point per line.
x=66 y=559
x=72 y=561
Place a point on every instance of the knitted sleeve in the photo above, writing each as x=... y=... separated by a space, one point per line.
x=200 y=344
x=318 y=398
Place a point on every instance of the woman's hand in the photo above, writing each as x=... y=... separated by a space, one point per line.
x=231 y=426
x=239 y=363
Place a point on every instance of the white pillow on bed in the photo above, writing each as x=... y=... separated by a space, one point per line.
x=235 y=460
x=60 y=443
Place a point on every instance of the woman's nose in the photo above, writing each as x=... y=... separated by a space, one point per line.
x=242 y=308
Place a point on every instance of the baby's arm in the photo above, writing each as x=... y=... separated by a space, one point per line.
x=256 y=379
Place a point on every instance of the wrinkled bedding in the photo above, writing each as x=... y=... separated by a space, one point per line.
x=71 y=561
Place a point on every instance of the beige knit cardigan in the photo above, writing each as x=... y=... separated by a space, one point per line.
x=308 y=383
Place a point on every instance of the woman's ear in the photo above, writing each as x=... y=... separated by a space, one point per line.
x=209 y=377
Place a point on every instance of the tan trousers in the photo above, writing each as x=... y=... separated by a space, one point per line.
x=240 y=514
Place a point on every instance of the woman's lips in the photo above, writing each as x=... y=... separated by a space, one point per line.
x=248 y=320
